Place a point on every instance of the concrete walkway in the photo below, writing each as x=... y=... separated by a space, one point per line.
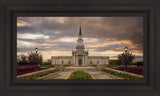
x=91 y=70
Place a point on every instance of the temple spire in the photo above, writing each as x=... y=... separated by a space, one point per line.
x=80 y=33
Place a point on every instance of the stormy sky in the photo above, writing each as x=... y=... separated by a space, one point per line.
x=57 y=36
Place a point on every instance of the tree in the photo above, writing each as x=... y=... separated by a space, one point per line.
x=114 y=62
x=35 y=58
x=22 y=60
x=126 y=58
x=18 y=59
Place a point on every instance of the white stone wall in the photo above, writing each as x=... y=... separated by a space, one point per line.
x=98 y=60
x=62 y=60
x=68 y=60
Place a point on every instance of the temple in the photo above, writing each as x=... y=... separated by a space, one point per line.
x=80 y=56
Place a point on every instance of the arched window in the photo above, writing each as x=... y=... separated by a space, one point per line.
x=69 y=62
x=62 y=62
x=90 y=62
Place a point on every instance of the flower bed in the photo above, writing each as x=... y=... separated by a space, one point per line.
x=80 y=75
x=28 y=68
x=122 y=75
x=132 y=69
x=37 y=75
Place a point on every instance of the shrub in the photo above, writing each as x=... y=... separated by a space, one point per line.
x=48 y=62
x=22 y=60
x=114 y=62
x=37 y=75
x=28 y=67
x=45 y=63
x=35 y=58
x=139 y=63
x=126 y=58
x=122 y=75
x=111 y=65
x=137 y=70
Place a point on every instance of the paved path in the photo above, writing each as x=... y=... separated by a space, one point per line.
x=91 y=70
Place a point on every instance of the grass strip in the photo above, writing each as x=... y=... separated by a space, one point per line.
x=37 y=75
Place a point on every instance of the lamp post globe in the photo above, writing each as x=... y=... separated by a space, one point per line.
x=36 y=49
x=126 y=49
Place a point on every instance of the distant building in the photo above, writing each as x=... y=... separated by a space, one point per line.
x=80 y=56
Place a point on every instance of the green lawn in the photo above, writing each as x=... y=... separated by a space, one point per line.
x=37 y=75
x=47 y=65
x=122 y=75
x=40 y=65
x=117 y=65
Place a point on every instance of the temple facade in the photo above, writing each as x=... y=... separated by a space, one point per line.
x=80 y=56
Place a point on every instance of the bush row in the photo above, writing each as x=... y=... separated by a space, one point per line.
x=137 y=70
x=122 y=75
x=28 y=67
x=117 y=62
x=37 y=75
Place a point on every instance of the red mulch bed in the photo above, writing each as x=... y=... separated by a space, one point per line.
x=28 y=71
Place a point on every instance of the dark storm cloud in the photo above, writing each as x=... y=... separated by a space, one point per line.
x=50 y=27
x=121 y=28
x=118 y=27
x=115 y=47
x=46 y=45
x=100 y=28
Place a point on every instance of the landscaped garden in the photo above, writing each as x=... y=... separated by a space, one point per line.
x=80 y=75
x=125 y=63
x=122 y=75
x=31 y=63
x=28 y=68
x=37 y=75
x=132 y=69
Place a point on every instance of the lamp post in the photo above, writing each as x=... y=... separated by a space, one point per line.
x=36 y=49
x=125 y=49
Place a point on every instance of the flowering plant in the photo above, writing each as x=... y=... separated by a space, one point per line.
x=28 y=67
x=132 y=69
x=79 y=75
x=37 y=75
x=122 y=75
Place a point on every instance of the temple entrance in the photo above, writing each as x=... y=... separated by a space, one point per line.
x=80 y=62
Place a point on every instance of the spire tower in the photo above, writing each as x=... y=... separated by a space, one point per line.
x=80 y=44
x=80 y=33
